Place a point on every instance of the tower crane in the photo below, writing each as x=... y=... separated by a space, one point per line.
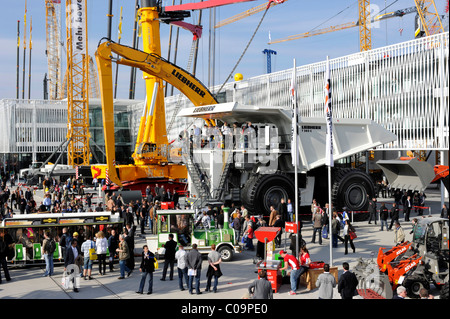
x=247 y=13
x=77 y=83
x=365 y=33
x=269 y=52
x=426 y=10
x=53 y=22
x=365 y=43
x=56 y=83
x=430 y=21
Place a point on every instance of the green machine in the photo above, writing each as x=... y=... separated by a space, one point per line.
x=183 y=226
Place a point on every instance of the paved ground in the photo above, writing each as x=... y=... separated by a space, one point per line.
x=28 y=283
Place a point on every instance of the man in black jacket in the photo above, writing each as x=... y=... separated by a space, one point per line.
x=395 y=215
x=129 y=232
x=147 y=268
x=113 y=244
x=194 y=264
x=282 y=209
x=5 y=242
x=169 y=257
x=384 y=214
x=72 y=254
x=347 y=283
x=408 y=207
x=373 y=210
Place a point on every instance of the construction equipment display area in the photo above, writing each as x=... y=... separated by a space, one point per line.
x=236 y=174
x=28 y=283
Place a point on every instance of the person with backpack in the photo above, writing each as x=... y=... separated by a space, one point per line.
x=335 y=228
x=340 y=226
x=49 y=247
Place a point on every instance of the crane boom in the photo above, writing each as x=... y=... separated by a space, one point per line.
x=153 y=65
x=202 y=5
x=429 y=18
x=246 y=13
x=53 y=27
x=78 y=152
x=348 y=25
x=365 y=32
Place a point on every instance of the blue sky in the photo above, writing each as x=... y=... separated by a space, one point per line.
x=289 y=18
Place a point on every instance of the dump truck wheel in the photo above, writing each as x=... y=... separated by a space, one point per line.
x=350 y=189
x=413 y=286
x=262 y=191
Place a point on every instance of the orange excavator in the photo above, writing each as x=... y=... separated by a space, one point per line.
x=414 y=265
x=385 y=258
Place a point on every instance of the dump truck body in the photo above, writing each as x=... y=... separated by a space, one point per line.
x=257 y=160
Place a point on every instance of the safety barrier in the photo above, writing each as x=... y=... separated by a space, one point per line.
x=353 y=213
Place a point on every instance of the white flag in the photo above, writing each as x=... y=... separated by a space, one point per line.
x=329 y=117
x=77 y=16
x=294 y=136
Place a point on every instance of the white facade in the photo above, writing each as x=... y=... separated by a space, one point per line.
x=403 y=87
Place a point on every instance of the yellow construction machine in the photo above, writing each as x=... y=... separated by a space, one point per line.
x=151 y=156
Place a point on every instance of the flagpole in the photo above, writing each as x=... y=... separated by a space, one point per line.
x=330 y=212
x=24 y=50
x=18 y=62
x=295 y=155
x=329 y=149
x=29 y=63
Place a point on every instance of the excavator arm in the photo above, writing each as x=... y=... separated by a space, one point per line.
x=151 y=64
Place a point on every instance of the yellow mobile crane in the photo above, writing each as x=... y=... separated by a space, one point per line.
x=151 y=155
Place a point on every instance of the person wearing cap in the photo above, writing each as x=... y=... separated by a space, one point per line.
x=290 y=260
x=345 y=214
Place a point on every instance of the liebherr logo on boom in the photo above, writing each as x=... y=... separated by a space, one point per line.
x=191 y=85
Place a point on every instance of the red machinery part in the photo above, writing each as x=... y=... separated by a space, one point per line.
x=441 y=171
x=266 y=233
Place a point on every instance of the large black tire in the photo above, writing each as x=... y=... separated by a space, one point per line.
x=414 y=284
x=352 y=188
x=262 y=191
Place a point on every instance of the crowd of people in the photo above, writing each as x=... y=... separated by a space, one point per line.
x=238 y=135
x=59 y=197
x=84 y=246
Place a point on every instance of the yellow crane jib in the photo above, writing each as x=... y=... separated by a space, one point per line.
x=157 y=66
x=154 y=65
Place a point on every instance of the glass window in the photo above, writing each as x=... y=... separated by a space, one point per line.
x=164 y=223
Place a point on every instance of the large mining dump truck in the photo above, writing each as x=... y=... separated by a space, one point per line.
x=253 y=165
